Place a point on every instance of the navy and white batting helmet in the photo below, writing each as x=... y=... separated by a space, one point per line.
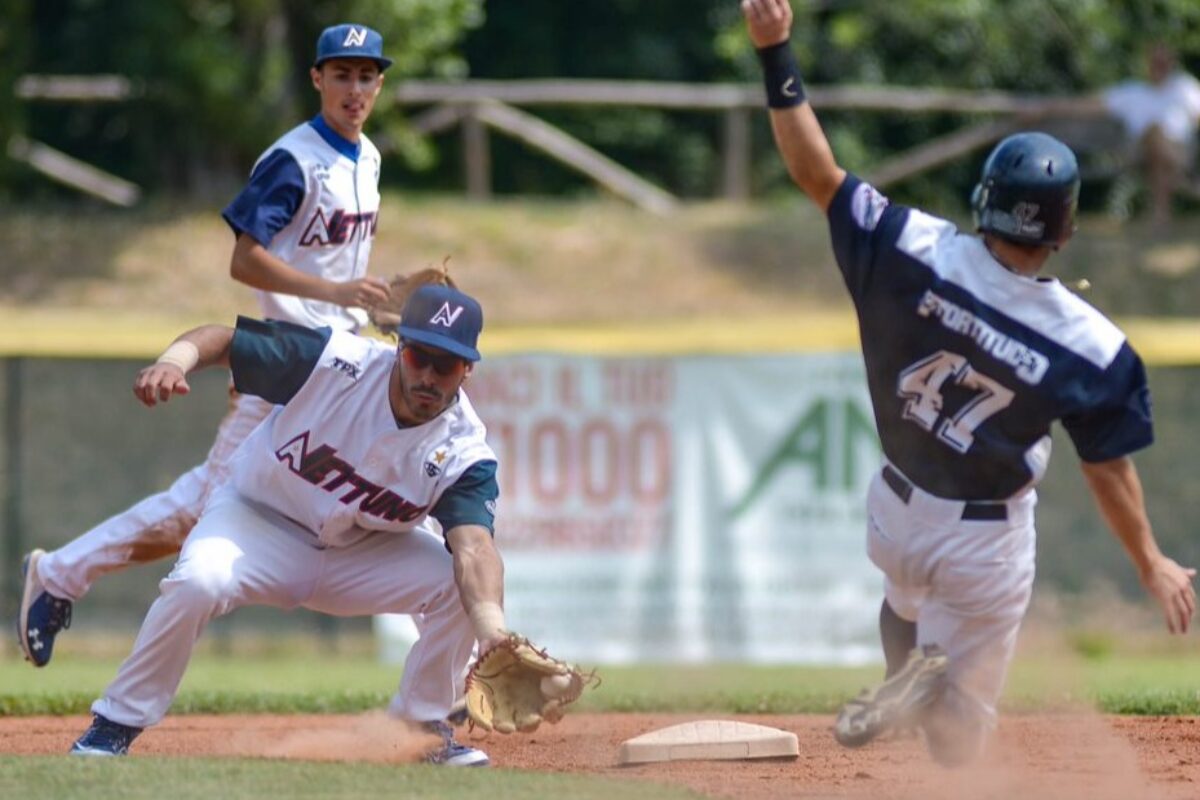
x=1028 y=191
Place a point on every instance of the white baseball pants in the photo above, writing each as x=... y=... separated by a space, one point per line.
x=241 y=554
x=966 y=583
x=155 y=527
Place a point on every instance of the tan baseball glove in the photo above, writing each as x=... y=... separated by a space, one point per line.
x=513 y=686
x=386 y=315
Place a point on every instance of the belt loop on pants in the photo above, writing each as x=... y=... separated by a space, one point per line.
x=972 y=509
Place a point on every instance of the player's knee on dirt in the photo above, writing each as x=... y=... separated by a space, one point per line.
x=956 y=729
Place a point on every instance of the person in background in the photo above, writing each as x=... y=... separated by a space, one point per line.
x=1160 y=116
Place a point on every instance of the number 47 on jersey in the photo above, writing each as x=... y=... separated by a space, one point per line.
x=921 y=384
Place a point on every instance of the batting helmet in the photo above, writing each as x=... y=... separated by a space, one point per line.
x=1028 y=191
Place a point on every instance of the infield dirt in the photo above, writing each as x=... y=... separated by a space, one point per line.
x=1034 y=757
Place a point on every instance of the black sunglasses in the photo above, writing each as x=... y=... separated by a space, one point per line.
x=444 y=365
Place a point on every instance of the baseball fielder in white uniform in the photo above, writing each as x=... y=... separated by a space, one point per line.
x=329 y=506
x=304 y=226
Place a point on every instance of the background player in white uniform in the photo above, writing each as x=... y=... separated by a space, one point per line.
x=970 y=357
x=303 y=226
x=328 y=503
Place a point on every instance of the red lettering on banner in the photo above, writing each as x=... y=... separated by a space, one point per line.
x=600 y=462
x=569 y=395
x=503 y=439
x=640 y=385
x=515 y=385
x=650 y=461
x=586 y=533
x=550 y=462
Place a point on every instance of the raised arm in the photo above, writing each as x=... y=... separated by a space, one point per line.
x=1118 y=493
x=201 y=347
x=798 y=134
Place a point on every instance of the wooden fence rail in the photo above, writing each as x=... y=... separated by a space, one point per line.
x=59 y=166
x=483 y=99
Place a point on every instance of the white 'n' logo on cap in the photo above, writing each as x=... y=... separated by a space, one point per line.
x=445 y=316
x=356 y=37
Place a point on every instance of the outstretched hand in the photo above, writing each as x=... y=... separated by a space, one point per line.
x=1171 y=586
x=768 y=21
x=156 y=383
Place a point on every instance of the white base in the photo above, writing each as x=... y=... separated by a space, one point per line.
x=708 y=740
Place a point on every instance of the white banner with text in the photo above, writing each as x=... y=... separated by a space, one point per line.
x=697 y=508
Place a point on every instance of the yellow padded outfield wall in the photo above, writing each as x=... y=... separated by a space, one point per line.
x=65 y=333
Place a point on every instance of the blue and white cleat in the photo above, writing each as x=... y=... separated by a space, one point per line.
x=451 y=753
x=41 y=616
x=105 y=738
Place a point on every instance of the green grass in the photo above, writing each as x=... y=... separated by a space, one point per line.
x=1118 y=683
x=66 y=778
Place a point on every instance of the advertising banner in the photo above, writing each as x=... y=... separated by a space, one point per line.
x=685 y=508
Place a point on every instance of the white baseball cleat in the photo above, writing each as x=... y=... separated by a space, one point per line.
x=895 y=703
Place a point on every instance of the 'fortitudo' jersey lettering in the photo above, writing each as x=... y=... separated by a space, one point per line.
x=969 y=364
x=1028 y=364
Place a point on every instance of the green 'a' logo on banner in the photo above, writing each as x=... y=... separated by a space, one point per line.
x=814 y=442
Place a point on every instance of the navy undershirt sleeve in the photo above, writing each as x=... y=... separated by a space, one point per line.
x=861 y=222
x=270 y=200
x=273 y=359
x=471 y=500
x=1119 y=422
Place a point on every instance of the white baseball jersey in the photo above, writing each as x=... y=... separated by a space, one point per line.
x=331 y=462
x=333 y=459
x=313 y=201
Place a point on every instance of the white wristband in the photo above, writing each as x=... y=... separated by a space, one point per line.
x=488 y=619
x=182 y=354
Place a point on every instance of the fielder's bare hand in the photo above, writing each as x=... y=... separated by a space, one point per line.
x=156 y=383
x=1171 y=586
x=768 y=21
x=365 y=293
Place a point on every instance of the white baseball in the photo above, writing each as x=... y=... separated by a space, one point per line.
x=554 y=686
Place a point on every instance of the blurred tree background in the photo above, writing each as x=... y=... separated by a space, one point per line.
x=222 y=78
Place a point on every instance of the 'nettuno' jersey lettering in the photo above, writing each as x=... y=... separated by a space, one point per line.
x=319 y=464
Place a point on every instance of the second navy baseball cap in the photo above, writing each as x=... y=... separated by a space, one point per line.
x=351 y=41
x=445 y=318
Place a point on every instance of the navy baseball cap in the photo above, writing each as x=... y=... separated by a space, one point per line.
x=445 y=318
x=351 y=41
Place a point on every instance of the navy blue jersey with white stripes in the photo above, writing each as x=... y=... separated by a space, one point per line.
x=968 y=363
